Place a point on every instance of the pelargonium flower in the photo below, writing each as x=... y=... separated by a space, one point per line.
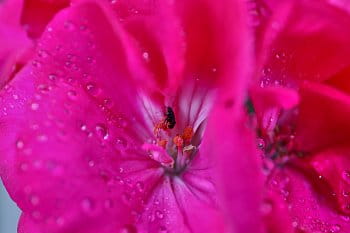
x=102 y=130
x=301 y=104
x=21 y=24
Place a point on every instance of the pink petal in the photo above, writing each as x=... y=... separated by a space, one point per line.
x=309 y=209
x=238 y=173
x=37 y=14
x=277 y=218
x=307 y=41
x=269 y=101
x=333 y=166
x=10 y=12
x=174 y=203
x=323 y=119
x=15 y=46
x=66 y=130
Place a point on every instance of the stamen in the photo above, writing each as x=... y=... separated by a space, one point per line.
x=178 y=141
x=162 y=143
x=187 y=134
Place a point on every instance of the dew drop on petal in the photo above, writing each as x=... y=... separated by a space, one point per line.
x=24 y=167
x=52 y=77
x=140 y=187
x=128 y=229
x=101 y=131
x=345 y=218
x=145 y=56
x=60 y=221
x=83 y=127
x=159 y=214
x=92 y=89
x=91 y=163
x=69 y=25
x=87 y=204
x=34 y=106
x=34 y=200
x=72 y=94
x=346 y=175
x=266 y=207
x=19 y=144
x=335 y=228
x=44 y=89
x=121 y=143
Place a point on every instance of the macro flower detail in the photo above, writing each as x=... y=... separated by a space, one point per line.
x=300 y=102
x=103 y=128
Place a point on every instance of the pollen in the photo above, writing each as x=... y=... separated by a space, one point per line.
x=162 y=143
x=187 y=134
x=178 y=141
x=160 y=126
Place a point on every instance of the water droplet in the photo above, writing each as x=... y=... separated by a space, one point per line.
x=44 y=88
x=42 y=138
x=19 y=144
x=68 y=64
x=36 y=63
x=87 y=204
x=82 y=27
x=101 y=131
x=140 y=187
x=121 y=143
x=345 y=218
x=159 y=214
x=90 y=59
x=91 y=163
x=92 y=89
x=346 y=175
x=295 y=224
x=266 y=207
x=128 y=229
x=335 y=228
x=52 y=77
x=121 y=122
x=60 y=221
x=72 y=95
x=34 y=200
x=145 y=56
x=36 y=214
x=34 y=106
x=83 y=127
x=24 y=167
x=69 y=25
x=43 y=53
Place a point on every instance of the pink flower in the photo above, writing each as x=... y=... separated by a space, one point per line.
x=21 y=23
x=101 y=131
x=301 y=102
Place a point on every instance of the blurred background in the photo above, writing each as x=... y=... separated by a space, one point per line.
x=9 y=212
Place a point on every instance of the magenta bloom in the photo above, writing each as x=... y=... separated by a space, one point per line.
x=301 y=101
x=102 y=129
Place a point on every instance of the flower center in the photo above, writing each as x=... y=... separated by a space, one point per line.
x=173 y=147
